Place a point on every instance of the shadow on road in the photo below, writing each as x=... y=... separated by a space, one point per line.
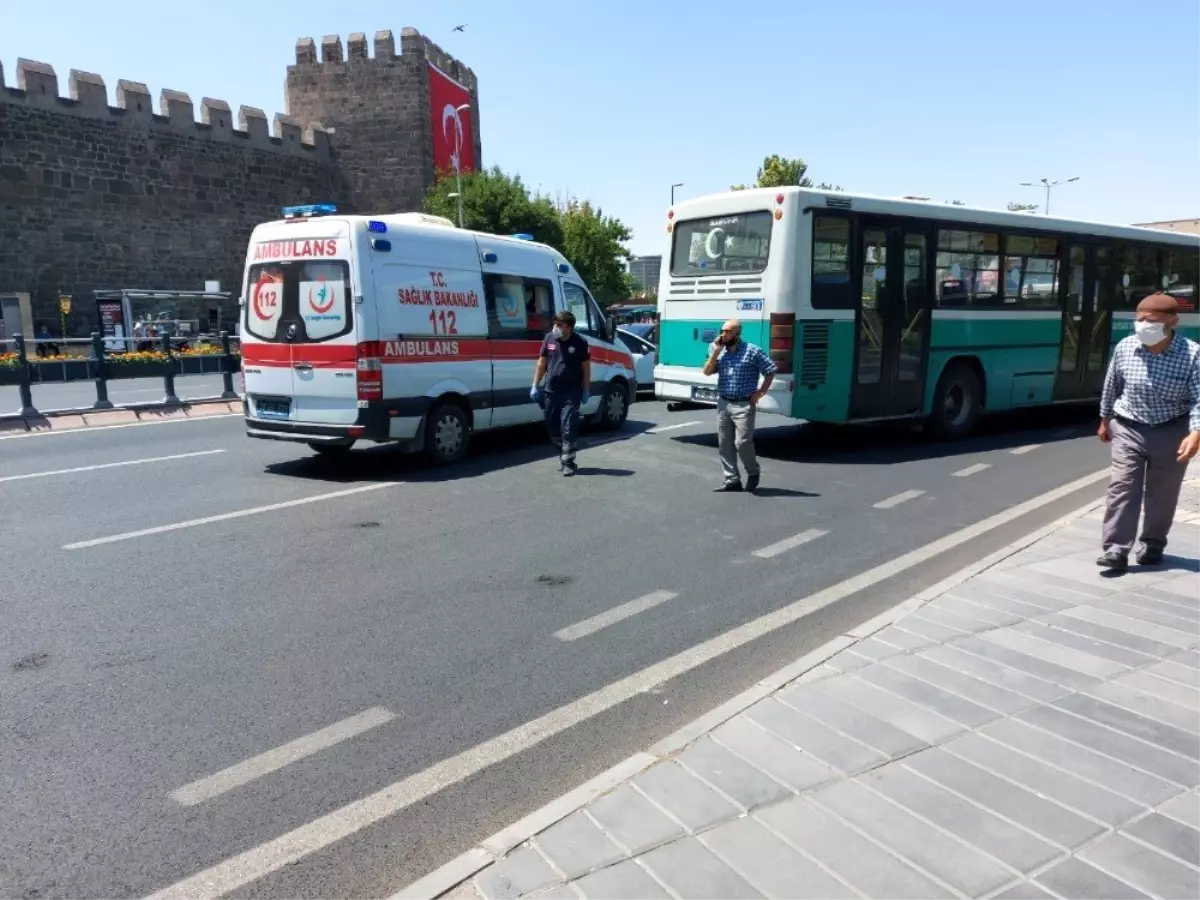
x=905 y=442
x=491 y=451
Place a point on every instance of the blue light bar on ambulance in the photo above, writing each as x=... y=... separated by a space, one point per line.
x=378 y=227
x=523 y=237
x=312 y=209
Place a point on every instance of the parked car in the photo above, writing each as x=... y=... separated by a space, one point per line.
x=645 y=354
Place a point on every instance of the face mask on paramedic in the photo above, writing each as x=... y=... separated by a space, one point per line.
x=1150 y=333
x=557 y=333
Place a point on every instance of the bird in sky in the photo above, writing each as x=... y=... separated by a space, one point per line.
x=460 y=28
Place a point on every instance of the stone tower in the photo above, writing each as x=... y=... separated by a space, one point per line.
x=386 y=142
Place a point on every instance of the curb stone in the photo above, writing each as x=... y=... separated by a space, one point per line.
x=443 y=880
x=71 y=419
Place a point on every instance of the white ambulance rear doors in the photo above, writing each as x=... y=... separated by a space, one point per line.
x=299 y=346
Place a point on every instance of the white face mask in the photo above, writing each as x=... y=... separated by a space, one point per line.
x=557 y=333
x=1150 y=333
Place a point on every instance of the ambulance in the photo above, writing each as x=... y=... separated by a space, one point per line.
x=405 y=329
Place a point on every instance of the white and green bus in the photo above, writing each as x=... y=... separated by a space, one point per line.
x=877 y=309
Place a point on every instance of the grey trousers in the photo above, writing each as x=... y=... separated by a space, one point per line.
x=735 y=436
x=1143 y=466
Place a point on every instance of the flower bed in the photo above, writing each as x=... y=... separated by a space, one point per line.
x=198 y=360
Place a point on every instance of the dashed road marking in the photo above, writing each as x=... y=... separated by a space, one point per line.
x=971 y=470
x=1020 y=451
x=274 y=760
x=614 y=615
x=898 y=499
x=112 y=465
x=659 y=429
x=224 y=517
x=791 y=543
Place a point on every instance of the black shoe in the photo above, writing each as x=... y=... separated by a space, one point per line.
x=1150 y=556
x=1113 y=560
x=752 y=482
x=570 y=468
x=729 y=487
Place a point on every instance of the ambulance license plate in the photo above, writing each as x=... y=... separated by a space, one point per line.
x=274 y=409
x=704 y=394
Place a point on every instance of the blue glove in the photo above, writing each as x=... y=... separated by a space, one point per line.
x=536 y=395
x=584 y=396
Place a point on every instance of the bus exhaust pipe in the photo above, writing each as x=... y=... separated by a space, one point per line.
x=685 y=406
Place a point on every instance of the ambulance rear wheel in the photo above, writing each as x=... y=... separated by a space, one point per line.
x=447 y=434
x=614 y=407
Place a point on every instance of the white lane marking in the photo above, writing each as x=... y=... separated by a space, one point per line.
x=112 y=465
x=614 y=615
x=251 y=865
x=224 y=517
x=659 y=429
x=274 y=760
x=789 y=543
x=1019 y=451
x=971 y=470
x=898 y=499
x=94 y=428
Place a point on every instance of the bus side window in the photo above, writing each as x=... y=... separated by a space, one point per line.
x=831 y=287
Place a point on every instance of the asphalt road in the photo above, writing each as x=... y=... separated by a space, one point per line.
x=122 y=392
x=365 y=651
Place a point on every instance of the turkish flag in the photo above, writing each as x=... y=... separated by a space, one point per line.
x=453 y=143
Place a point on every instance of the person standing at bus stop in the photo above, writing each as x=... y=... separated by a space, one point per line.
x=738 y=365
x=565 y=362
x=1150 y=413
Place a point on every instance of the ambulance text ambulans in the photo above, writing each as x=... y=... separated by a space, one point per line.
x=402 y=328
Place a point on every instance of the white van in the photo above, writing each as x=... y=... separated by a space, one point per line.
x=403 y=328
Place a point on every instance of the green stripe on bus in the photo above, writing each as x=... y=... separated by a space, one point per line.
x=681 y=341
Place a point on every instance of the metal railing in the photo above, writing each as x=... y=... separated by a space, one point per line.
x=62 y=360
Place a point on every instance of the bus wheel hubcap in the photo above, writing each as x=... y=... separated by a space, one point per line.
x=956 y=404
x=449 y=435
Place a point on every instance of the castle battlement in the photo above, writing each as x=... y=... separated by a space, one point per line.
x=331 y=57
x=37 y=88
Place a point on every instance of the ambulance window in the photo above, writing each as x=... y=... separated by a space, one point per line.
x=507 y=311
x=539 y=305
x=323 y=298
x=264 y=305
x=576 y=300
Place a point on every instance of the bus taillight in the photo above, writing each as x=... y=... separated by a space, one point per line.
x=782 y=347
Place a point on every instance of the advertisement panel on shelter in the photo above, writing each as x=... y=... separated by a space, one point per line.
x=453 y=143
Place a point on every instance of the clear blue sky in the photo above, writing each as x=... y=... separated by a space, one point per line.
x=615 y=100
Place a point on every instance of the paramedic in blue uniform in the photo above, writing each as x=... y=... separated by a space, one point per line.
x=566 y=365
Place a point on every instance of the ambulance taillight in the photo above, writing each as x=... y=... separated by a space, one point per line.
x=369 y=373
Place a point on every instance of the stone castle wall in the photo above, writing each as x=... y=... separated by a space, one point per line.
x=94 y=196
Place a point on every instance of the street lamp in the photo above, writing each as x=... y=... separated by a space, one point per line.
x=465 y=107
x=679 y=184
x=1048 y=184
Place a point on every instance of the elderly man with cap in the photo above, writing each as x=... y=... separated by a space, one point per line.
x=1150 y=412
x=738 y=365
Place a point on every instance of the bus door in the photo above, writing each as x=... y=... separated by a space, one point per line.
x=892 y=329
x=1086 y=323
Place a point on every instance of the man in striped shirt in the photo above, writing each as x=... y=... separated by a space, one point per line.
x=1150 y=413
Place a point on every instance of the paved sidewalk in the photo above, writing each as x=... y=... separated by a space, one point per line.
x=1032 y=732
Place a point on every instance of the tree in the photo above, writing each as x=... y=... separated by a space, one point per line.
x=1023 y=207
x=779 y=171
x=595 y=245
x=496 y=203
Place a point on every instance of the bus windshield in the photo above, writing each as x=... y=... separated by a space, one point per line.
x=734 y=243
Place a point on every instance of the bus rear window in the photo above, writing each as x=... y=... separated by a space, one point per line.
x=309 y=299
x=723 y=244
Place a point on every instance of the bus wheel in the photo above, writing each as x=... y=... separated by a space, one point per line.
x=957 y=404
x=447 y=434
x=614 y=407
x=341 y=448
